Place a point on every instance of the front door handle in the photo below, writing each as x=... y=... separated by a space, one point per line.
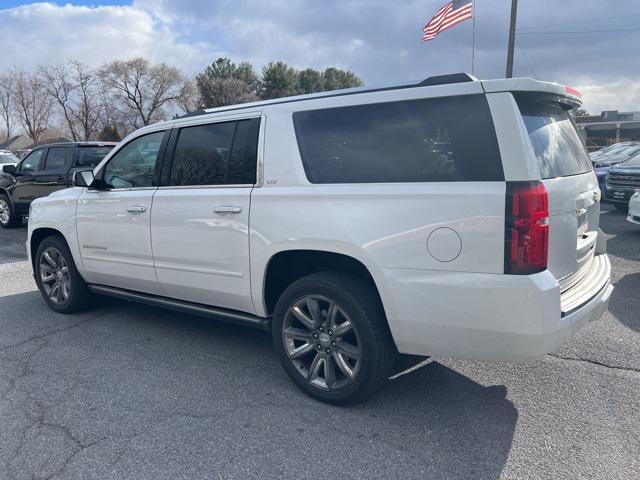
x=136 y=209
x=227 y=209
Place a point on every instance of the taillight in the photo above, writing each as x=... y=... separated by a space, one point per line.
x=526 y=228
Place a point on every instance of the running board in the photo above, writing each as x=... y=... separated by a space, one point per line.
x=223 y=314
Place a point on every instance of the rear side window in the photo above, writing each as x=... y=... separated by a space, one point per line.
x=216 y=154
x=91 y=156
x=56 y=158
x=428 y=140
x=554 y=137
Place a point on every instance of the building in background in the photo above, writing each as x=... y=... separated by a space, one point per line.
x=609 y=127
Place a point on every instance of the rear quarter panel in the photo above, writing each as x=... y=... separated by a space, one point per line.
x=384 y=226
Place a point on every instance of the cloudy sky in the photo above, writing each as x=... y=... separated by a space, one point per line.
x=584 y=43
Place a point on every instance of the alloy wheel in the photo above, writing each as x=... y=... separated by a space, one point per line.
x=4 y=211
x=322 y=342
x=54 y=274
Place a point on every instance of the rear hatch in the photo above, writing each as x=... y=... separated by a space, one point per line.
x=571 y=184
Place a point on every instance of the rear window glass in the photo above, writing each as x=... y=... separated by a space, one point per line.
x=91 y=156
x=555 y=139
x=428 y=140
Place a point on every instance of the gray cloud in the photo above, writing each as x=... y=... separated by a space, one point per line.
x=378 y=39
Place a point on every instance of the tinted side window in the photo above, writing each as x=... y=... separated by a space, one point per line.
x=244 y=153
x=429 y=140
x=56 y=158
x=33 y=162
x=134 y=164
x=216 y=154
x=91 y=156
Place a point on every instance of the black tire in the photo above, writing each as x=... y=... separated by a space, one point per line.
x=79 y=297
x=623 y=207
x=10 y=219
x=358 y=303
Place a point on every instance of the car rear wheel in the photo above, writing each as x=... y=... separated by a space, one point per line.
x=59 y=282
x=331 y=335
x=8 y=217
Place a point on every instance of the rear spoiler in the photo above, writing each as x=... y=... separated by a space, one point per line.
x=569 y=95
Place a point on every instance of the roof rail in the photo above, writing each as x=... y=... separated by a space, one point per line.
x=431 y=81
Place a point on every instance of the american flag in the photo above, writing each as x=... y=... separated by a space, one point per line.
x=451 y=14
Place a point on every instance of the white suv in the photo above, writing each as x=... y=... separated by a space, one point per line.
x=452 y=217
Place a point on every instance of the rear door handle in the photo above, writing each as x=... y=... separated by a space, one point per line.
x=136 y=209
x=227 y=209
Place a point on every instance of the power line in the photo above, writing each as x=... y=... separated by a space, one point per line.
x=635 y=29
x=526 y=58
x=578 y=22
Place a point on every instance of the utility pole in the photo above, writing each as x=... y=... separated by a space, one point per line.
x=512 y=38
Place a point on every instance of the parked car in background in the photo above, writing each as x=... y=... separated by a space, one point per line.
x=603 y=163
x=634 y=208
x=612 y=148
x=44 y=170
x=451 y=217
x=8 y=158
x=622 y=182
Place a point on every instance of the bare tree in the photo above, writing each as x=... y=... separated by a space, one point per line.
x=144 y=88
x=56 y=81
x=188 y=100
x=6 y=104
x=74 y=88
x=32 y=103
x=88 y=106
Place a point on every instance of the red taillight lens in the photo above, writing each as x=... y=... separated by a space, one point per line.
x=526 y=228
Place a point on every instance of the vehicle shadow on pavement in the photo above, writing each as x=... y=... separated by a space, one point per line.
x=625 y=301
x=129 y=380
x=454 y=424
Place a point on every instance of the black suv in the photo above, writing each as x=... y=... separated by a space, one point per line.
x=46 y=169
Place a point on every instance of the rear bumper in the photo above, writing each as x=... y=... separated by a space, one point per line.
x=483 y=316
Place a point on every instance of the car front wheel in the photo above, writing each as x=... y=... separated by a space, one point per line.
x=332 y=338
x=59 y=282
x=8 y=217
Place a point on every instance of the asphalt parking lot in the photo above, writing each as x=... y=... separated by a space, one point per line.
x=129 y=391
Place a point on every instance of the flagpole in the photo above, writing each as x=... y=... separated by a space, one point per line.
x=473 y=38
x=512 y=38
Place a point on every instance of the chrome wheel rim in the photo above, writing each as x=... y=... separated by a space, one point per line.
x=54 y=275
x=322 y=342
x=4 y=211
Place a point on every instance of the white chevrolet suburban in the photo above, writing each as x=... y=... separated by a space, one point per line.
x=453 y=217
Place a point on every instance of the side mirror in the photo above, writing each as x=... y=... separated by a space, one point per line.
x=83 y=178
x=9 y=169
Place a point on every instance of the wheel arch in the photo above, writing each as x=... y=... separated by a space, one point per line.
x=6 y=193
x=36 y=238
x=286 y=266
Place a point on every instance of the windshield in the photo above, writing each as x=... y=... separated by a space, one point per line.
x=615 y=149
x=632 y=162
x=629 y=151
x=554 y=137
